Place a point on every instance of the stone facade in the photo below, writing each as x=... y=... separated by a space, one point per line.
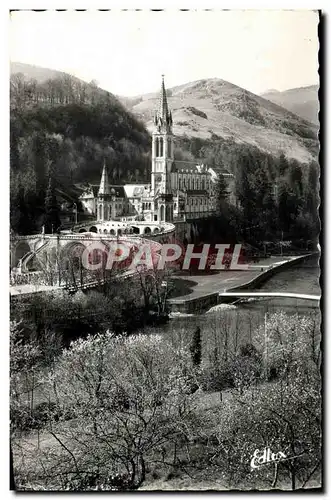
x=178 y=190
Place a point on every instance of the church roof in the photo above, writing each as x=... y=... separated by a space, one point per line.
x=119 y=190
x=197 y=192
x=89 y=191
x=136 y=190
x=183 y=166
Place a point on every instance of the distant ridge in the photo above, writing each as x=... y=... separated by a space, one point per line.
x=36 y=72
x=215 y=108
x=301 y=100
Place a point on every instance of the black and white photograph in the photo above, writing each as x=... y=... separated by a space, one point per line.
x=164 y=250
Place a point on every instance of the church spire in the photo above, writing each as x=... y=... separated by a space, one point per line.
x=104 y=184
x=163 y=117
x=163 y=105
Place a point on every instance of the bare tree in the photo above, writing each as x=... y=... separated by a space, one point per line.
x=17 y=90
x=131 y=402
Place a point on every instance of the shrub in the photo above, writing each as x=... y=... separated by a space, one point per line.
x=197 y=112
x=130 y=397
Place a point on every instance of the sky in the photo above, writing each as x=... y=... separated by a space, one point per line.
x=127 y=51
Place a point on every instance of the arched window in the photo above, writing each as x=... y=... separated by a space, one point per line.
x=105 y=231
x=161 y=146
x=100 y=212
x=112 y=231
x=180 y=183
x=157 y=146
x=189 y=183
x=119 y=232
x=105 y=213
x=193 y=184
x=203 y=184
x=147 y=230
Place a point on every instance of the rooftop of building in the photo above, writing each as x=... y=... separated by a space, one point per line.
x=136 y=190
x=94 y=189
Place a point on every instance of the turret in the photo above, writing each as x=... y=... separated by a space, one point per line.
x=104 y=189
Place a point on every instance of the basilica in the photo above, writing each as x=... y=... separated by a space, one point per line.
x=177 y=189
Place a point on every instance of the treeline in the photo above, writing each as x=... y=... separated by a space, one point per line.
x=220 y=153
x=66 y=89
x=276 y=198
x=70 y=139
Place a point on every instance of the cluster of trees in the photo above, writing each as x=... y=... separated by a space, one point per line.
x=276 y=198
x=218 y=152
x=123 y=306
x=277 y=204
x=119 y=410
x=65 y=89
x=69 y=140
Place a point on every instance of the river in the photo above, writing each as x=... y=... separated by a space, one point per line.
x=244 y=318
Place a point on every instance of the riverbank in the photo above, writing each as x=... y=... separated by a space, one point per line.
x=199 y=292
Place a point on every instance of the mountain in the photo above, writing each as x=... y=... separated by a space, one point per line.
x=303 y=101
x=214 y=107
x=67 y=129
x=34 y=72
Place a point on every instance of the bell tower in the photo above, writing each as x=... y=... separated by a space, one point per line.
x=162 y=157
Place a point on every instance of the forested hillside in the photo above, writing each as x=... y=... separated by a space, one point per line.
x=67 y=128
x=63 y=129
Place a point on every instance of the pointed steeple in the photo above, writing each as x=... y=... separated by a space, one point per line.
x=163 y=105
x=104 y=188
x=163 y=117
